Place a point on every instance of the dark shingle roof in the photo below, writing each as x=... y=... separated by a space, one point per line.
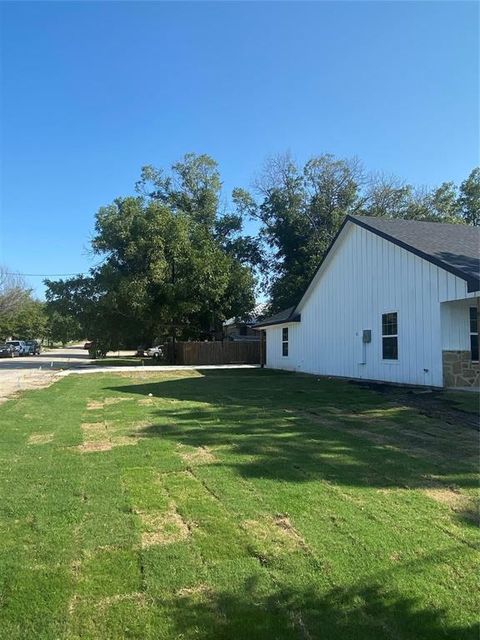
x=453 y=247
x=281 y=317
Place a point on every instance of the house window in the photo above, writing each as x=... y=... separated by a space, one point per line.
x=474 y=333
x=285 y=341
x=389 y=336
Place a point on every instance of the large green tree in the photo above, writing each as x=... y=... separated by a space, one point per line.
x=300 y=209
x=173 y=263
x=469 y=198
x=63 y=328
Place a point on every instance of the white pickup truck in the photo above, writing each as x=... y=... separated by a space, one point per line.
x=19 y=346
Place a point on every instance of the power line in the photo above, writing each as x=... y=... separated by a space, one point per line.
x=55 y=275
x=47 y=275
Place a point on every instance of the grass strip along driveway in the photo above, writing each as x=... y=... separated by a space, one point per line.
x=234 y=504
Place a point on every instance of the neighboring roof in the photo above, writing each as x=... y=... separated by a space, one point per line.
x=248 y=318
x=282 y=317
x=453 y=247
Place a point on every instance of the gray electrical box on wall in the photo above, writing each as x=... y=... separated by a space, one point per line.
x=367 y=335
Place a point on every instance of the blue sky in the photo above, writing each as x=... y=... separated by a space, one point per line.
x=92 y=91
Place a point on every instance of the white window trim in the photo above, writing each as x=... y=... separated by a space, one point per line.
x=472 y=333
x=392 y=335
x=286 y=342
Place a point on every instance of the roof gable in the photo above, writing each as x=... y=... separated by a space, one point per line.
x=452 y=247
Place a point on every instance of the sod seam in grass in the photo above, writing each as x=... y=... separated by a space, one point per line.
x=236 y=504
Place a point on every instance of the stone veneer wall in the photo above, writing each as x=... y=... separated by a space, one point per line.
x=459 y=370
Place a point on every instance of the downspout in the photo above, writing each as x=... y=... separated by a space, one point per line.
x=262 y=349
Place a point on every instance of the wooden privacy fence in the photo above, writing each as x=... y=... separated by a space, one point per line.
x=226 y=352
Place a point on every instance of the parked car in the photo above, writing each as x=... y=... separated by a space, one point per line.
x=30 y=351
x=20 y=347
x=141 y=352
x=155 y=352
x=33 y=347
x=87 y=346
x=7 y=351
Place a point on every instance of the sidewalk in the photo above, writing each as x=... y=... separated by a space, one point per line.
x=154 y=368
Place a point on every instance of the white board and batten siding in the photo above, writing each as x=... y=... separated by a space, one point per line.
x=364 y=277
x=455 y=317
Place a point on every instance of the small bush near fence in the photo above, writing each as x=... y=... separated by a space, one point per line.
x=215 y=352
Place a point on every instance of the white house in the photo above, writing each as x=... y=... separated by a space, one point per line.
x=393 y=300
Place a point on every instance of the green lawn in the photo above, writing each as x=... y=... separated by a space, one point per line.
x=466 y=401
x=234 y=505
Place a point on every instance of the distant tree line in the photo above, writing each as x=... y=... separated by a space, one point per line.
x=24 y=317
x=176 y=261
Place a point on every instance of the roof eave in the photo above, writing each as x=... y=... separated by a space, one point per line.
x=473 y=284
x=263 y=325
x=324 y=259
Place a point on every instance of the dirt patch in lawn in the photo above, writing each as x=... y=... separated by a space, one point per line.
x=199 y=455
x=447 y=496
x=123 y=441
x=197 y=591
x=40 y=438
x=109 y=401
x=97 y=436
x=146 y=401
x=160 y=528
x=137 y=597
x=92 y=405
x=93 y=429
x=275 y=534
x=91 y=447
x=456 y=501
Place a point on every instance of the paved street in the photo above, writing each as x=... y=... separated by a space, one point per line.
x=32 y=372
x=64 y=358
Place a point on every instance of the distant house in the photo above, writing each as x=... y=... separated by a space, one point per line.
x=241 y=329
x=393 y=300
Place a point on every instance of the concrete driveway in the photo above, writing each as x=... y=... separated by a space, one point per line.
x=33 y=372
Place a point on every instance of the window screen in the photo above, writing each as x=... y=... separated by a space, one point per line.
x=285 y=341
x=474 y=333
x=390 y=336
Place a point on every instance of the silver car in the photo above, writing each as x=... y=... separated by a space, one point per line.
x=155 y=352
